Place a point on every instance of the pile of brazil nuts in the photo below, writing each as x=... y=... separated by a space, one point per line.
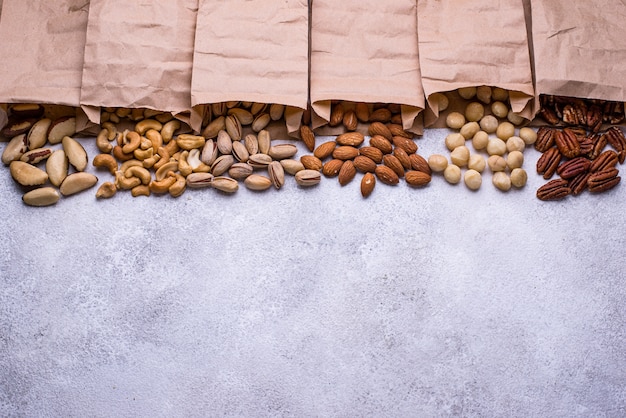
x=491 y=126
x=43 y=156
x=390 y=156
x=153 y=158
x=577 y=152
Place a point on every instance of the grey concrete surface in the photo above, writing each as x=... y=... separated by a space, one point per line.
x=315 y=302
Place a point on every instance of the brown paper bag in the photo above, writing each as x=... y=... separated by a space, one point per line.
x=42 y=49
x=139 y=55
x=254 y=51
x=474 y=43
x=580 y=51
x=365 y=51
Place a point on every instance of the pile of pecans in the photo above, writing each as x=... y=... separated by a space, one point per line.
x=579 y=159
x=390 y=156
x=590 y=114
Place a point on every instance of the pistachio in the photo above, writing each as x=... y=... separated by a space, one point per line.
x=257 y=182
x=199 y=180
x=252 y=143
x=225 y=184
x=75 y=152
x=77 y=182
x=282 y=151
x=240 y=171
x=260 y=122
x=308 y=178
x=209 y=152
x=222 y=164
x=259 y=160
x=264 y=140
x=213 y=128
x=240 y=152
x=233 y=127
x=257 y=108
x=224 y=142
x=14 y=150
x=276 y=173
x=44 y=196
x=244 y=116
x=27 y=174
x=291 y=166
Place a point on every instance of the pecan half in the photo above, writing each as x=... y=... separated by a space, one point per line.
x=578 y=184
x=553 y=190
x=573 y=167
x=549 y=162
x=575 y=114
x=615 y=137
x=617 y=113
x=567 y=143
x=586 y=145
x=549 y=116
x=602 y=181
x=599 y=142
x=594 y=117
x=608 y=159
x=545 y=139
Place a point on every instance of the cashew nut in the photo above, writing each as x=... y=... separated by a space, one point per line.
x=178 y=187
x=150 y=162
x=133 y=140
x=106 y=190
x=130 y=163
x=155 y=138
x=167 y=132
x=164 y=117
x=126 y=183
x=122 y=112
x=137 y=114
x=120 y=155
x=145 y=143
x=161 y=173
x=183 y=166
x=105 y=161
x=162 y=186
x=171 y=147
x=142 y=154
x=165 y=157
x=102 y=141
x=141 y=190
x=141 y=173
x=142 y=126
x=111 y=129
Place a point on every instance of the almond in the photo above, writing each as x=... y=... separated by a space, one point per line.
x=367 y=184
x=392 y=162
x=308 y=137
x=310 y=162
x=397 y=130
x=346 y=173
x=362 y=112
x=336 y=115
x=364 y=164
x=325 y=150
x=332 y=167
x=406 y=144
x=345 y=152
x=403 y=157
x=350 y=120
x=351 y=138
x=387 y=175
x=380 y=115
x=417 y=178
x=373 y=153
x=419 y=163
x=381 y=143
x=379 y=128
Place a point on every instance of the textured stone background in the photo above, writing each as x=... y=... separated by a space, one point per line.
x=429 y=302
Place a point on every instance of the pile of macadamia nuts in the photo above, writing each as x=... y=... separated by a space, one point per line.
x=493 y=129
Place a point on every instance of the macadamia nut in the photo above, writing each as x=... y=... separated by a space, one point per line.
x=505 y=130
x=501 y=180
x=515 y=143
x=528 y=135
x=480 y=140
x=467 y=92
x=437 y=163
x=469 y=129
x=452 y=174
x=483 y=93
x=496 y=146
x=477 y=162
x=454 y=140
x=489 y=124
x=473 y=179
x=474 y=111
x=515 y=159
x=496 y=163
x=455 y=120
x=499 y=109
x=460 y=156
x=514 y=118
x=499 y=94
x=519 y=177
x=441 y=100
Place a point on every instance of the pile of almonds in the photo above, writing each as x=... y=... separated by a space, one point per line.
x=487 y=113
x=39 y=168
x=579 y=159
x=390 y=155
x=349 y=114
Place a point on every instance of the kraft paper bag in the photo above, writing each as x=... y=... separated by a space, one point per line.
x=138 y=54
x=474 y=43
x=42 y=48
x=253 y=51
x=365 y=51
x=579 y=50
